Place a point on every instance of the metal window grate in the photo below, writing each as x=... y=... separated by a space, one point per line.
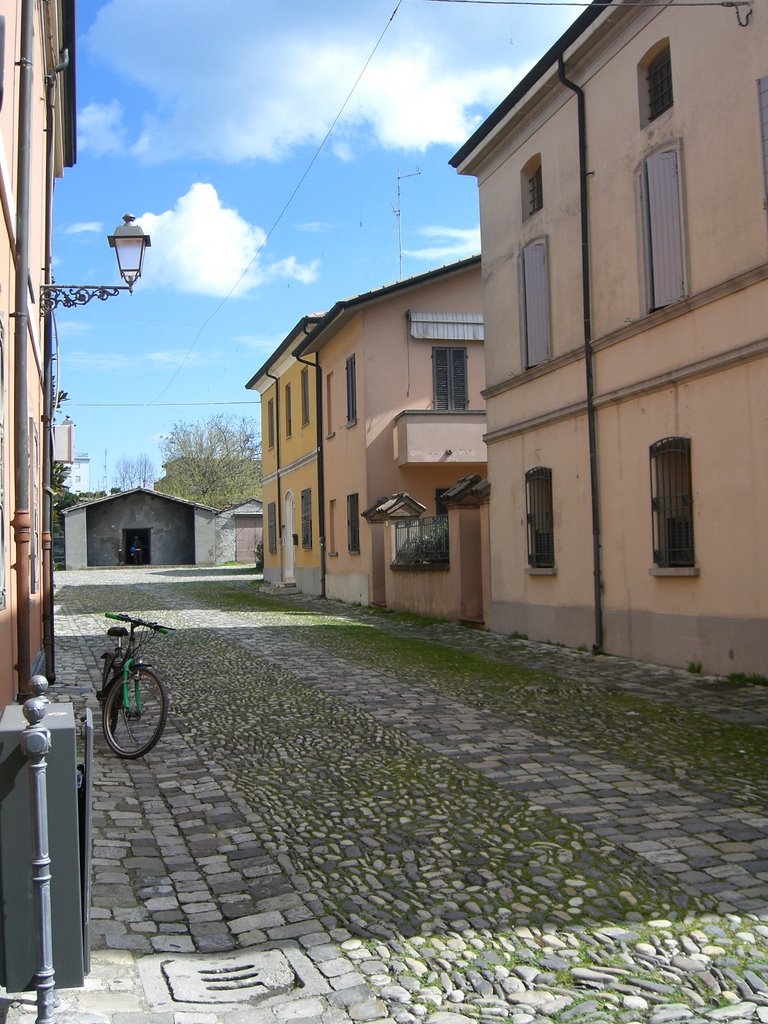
x=351 y=390
x=660 y=96
x=422 y=541
x=539 y=517
x=535 y=191
x=672 y=502
x=272 y=527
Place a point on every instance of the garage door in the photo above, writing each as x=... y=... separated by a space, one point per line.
x=247 y=536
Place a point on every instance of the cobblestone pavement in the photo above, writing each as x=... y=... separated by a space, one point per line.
x=537 y=835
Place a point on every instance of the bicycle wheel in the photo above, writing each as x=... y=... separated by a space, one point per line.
x=133 y=726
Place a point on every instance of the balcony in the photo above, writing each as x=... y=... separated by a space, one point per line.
x=430 y=437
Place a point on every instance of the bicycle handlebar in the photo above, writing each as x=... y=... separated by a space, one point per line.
x=156 y=626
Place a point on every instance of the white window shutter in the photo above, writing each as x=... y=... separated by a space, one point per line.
x=666 y=283
x=535 y=304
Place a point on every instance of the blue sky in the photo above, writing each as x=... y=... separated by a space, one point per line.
x=203 y=119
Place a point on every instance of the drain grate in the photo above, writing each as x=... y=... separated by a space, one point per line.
x=229 y=980
x=236 y=980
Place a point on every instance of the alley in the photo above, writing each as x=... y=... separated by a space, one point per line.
x=428 y=822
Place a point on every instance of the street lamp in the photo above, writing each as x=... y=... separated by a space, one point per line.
x=129 y=243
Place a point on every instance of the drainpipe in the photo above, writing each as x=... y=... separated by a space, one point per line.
x=21 y=521
x=320 y=472
x=279 y=524
x=588 y=356
x=48 y=405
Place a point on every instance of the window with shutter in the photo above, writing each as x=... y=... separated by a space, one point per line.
x=449 y=378
x=762 y=100
x=663 y=229
x=351 y=390
x=271 y=423
x=272 y=527
x=305 y=396
x=535 y=304
x=353 y=524
x=306 y=518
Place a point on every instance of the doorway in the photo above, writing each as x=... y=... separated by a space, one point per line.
x=138 y=540
x=288 y=540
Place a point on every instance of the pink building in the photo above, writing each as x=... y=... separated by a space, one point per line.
x=402 y=372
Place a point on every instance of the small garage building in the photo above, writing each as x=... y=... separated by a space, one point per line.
x=239 y=531
x=164 y=530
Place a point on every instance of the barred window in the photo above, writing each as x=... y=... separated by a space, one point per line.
x=353 y=524
x=672 y=502
x=272 y=527
x=539 y=517
x=532 y=187
x=659 y=80
x=306 y=518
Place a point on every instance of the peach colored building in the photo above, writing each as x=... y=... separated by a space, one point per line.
x=37 y=141
x=401 y=378
x=623 y=193
x=291 y=452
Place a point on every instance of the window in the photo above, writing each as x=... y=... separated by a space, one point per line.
x=305 y=396
x=672 y=502
x=535 y=304
x=659 y=79
x=271 y=423
x=306 y=518
x=329 y=403
x=288 y=411
x=351 y=390
x=532 y=190
x=538 y=501
x=662 y=224
x=272 y=527
x=449 y=378
x=353 y=524
x=762 y=102
x=332 y=527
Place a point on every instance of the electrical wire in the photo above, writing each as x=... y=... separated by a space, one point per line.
x=284 y=210
x=594 y=3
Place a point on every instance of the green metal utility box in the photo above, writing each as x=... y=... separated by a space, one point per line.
x=18 y=943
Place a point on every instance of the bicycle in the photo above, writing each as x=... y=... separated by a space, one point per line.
x=134 y=702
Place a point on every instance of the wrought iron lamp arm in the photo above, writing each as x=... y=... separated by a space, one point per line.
x=69 y=295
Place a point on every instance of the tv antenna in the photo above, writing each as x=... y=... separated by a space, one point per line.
x=400 y=177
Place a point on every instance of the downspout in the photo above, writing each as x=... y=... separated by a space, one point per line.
x=279 y=524
x=48 y=404
x=21 y=521
x=588 y=355
x=320 y=471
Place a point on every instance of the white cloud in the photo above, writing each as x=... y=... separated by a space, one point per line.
x=100 y=129
x=126 y=361
x=202 y=247
x=447 y=244
x=92 y=227
x=245 y=81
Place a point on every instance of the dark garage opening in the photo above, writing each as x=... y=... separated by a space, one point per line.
x=141 y=539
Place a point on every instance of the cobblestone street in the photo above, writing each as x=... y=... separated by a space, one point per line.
x=533 y=834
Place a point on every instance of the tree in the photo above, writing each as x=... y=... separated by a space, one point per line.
x=216 y=462
x=136 y=472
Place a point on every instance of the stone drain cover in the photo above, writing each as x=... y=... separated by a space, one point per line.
x=231 y=979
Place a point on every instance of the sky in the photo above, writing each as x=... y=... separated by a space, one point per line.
x=282 y=155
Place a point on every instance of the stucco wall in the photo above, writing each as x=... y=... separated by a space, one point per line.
x=226 y=529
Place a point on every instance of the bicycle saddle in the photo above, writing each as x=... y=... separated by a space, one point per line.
x=117 y=631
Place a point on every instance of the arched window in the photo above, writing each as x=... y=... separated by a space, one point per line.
x=654 y=77
x=531 y=187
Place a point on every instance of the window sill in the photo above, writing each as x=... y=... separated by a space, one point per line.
x=552 y=571
x=350 y=552
x=680 y=570
x=330 y=435
x=332 y=554
x=351 y=423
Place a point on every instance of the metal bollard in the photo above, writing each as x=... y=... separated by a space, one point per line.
x=35 y=744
